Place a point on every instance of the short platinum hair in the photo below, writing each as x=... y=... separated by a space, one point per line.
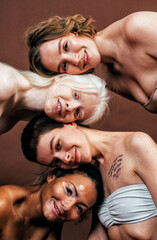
x=87 y=83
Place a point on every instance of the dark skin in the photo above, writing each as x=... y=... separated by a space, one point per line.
x=15 y=222
x=125 y=158
x=38 y=212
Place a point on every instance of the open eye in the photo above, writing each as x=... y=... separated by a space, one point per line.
x=64 y=66
x=58 y=146
x=76 y=95
x=77 y=113
x=69 y=191
x=79 y=209
x=57 y=162
x=66 y=47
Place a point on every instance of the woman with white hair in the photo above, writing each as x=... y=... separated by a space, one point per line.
x=65 y=98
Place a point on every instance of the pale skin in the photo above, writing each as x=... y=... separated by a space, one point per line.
x=20 y=100
x=127 y=48
x=137 y=152
x=138 y=166
x=29 y=212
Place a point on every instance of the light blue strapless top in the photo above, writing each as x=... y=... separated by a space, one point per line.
x=129 y=204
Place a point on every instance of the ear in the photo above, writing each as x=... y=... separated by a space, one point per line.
x=50 y=178
x=74 y=124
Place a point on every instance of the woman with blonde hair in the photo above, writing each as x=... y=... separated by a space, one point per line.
x=126 y=48
x=65 y=98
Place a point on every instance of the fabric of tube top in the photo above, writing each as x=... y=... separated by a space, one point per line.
x=151 y=106
x=126 y=205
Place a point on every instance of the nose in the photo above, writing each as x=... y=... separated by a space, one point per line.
x=73 y=59
x=71 y=106
x=68 y=158
x=68 y=204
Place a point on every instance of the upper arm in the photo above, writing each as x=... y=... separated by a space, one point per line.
x=8 y=81
x=140 y=28
x=98 y=231
x=144 y=155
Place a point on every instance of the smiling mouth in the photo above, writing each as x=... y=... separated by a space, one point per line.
x=86 y=59
x=77 y=161
x=59 y=108
x=57 y=212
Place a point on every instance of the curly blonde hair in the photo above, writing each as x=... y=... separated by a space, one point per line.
x=53 y=28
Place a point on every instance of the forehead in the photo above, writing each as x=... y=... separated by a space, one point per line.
x=48 y=50
x=52 y=46
x=45 y=138
x=81 y=181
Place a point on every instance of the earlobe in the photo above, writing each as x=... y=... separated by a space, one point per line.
x=50 y=178
x=74 y=124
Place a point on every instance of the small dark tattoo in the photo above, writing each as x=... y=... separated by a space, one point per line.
x=116 y=167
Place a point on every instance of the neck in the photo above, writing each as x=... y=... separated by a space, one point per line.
x=30 y=207
x=34 y=99
x=106 y=45
x=101 y=143
x=94 y=138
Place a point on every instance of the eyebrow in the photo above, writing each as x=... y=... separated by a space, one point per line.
x=51 y=145
x=59 y=51
x=76 y=192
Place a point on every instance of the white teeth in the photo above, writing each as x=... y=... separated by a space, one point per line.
x=59 y=107
x=57 y=208
x=85 y=58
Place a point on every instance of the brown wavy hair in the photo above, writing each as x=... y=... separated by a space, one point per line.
x=53 y=28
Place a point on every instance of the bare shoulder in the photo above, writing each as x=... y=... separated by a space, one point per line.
x=10 y=80
x=139 y=142
x=139 y=24
x=5 y=205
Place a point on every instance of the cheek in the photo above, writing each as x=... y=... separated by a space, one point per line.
x=73 y=215
x=69 y=119
x=75 y=70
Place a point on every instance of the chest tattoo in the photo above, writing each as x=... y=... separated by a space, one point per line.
x=116 y=167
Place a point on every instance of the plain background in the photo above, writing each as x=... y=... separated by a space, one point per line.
x=15 y=17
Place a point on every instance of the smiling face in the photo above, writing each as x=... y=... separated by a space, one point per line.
x=65 y=104
x=67 y=197
x=71 y=54
x=66 y=147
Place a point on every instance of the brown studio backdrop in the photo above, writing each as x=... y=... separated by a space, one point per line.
x=15 y=17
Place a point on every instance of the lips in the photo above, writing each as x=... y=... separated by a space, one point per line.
x=86 y=59
x=59 y=108
x=56 y=210
x=77 y=160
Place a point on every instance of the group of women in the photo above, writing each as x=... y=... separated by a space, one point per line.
x=63 y=53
